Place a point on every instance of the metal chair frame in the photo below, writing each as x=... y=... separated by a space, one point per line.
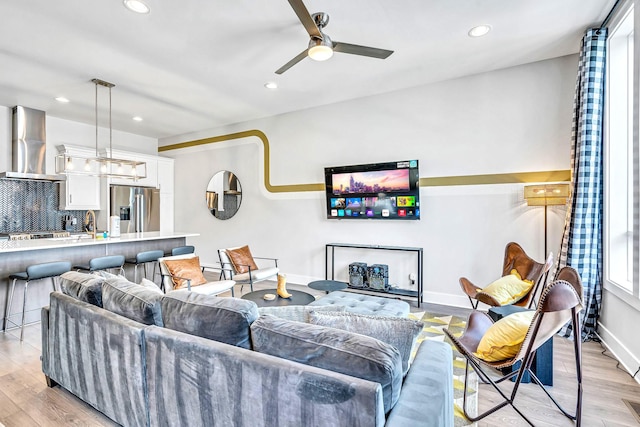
x=144 y=258
x=49 y=270
x=564 y=280
x=227 y=270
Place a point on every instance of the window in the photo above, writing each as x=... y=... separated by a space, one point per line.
x=621 y=226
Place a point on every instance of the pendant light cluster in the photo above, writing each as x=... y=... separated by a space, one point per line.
x=102 y=165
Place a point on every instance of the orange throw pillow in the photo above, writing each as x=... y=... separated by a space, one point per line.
x=241 y=259
x=187 y=268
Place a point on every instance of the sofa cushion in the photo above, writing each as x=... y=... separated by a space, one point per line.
x=299 y=313
x=150 y=285
x=396 y=331
x=133 y=301
x=334 y=349
x=82 y=286
x=221 y=319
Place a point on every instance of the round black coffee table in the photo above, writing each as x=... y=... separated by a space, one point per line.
x=297 y=298
x=327 y=285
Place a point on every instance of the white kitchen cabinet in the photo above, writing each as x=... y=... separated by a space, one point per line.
x=165 y=175
x=166 y=212
x=166 y=186
x=80 y=192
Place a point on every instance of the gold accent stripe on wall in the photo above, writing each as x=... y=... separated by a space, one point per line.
x=505 y=178
x=291 y=188
x=500 y=178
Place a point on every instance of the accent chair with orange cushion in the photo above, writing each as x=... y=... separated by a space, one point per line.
x=240 y=265
x=521 y=279
x=185 y=272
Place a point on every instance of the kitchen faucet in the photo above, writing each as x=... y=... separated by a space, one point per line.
x=90 y=221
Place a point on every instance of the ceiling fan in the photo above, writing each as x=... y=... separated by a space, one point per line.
x=321 y=47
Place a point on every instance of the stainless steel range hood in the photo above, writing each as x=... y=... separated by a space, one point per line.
x=29 y=146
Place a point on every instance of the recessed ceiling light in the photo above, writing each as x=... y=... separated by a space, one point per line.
x=271 y=85
x=479 y=31
x=137 y=119
x=137 y=6
x=62 y=100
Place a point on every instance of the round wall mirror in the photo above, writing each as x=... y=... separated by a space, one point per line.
x=224 y=195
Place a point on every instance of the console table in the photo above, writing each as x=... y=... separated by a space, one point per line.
x=331 y=247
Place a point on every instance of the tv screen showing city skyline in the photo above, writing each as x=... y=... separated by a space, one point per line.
x=384 y=191
x=371 y=181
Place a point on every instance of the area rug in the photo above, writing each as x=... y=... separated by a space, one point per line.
x=434 y=324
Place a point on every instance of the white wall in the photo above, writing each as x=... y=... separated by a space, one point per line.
x=60 y=131
x=617 y=327
x=512 y=120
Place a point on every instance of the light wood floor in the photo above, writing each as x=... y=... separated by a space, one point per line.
x=25 y=399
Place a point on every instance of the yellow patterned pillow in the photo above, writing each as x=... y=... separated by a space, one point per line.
x=503 y=339
x=508 y=289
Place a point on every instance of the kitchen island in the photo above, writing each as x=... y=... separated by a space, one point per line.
x=16 y=255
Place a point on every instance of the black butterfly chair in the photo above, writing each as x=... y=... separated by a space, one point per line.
x=559 y=303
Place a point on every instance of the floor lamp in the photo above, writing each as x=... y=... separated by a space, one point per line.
x=546 y=195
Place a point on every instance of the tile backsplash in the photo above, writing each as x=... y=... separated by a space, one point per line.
x=32 y=206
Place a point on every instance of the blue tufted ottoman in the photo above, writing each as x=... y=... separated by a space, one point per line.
x=365 y=304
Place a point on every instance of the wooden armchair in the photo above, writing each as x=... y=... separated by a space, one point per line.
x=515 y=258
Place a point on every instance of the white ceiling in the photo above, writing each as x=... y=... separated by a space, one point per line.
x=191 y=65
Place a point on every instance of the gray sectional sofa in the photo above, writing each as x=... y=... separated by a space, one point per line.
x=182 y=359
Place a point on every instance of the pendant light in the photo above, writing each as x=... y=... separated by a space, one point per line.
x=101 y=165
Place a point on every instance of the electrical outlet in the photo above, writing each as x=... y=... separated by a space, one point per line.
x=412 y=279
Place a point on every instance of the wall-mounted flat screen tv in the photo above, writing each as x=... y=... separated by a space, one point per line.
x=388 y=190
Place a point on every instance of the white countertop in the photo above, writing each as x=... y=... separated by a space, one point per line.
x=65 y=242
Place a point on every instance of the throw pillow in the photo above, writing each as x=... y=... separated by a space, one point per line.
x=183 y=269
x=333 y=349
x=220 y=319
x=299 y=313
x=132 y=301
x=148 y=284
x=82 y=286
x=241 y=259
x=508 y=289
x=396 y=331
x=503 y=339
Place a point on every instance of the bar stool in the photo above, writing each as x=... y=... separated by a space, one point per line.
x=103 y=263
x=144 y=258
x=183 y=250
x=34 y=272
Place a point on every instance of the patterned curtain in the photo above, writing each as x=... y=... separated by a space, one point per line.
x=582 y=238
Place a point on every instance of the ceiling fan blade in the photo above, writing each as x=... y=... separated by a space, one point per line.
x=355 y=49
x=305 y=17
x=293 y=62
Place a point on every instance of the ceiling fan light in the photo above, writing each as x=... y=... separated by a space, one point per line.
x=479 y=30
x=320 y=50
x=137 y=6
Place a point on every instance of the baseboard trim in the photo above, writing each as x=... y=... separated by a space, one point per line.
x=628 y=361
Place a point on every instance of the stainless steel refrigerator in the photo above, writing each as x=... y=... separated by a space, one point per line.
x=137 y=207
